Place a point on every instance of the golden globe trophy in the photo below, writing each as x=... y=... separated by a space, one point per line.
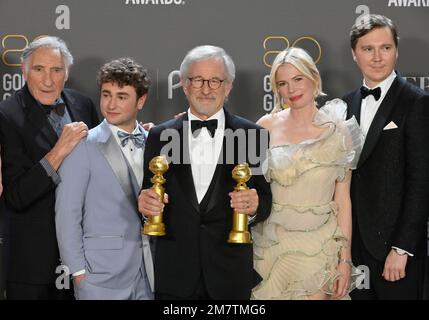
x=239 y=233
x=154 y=226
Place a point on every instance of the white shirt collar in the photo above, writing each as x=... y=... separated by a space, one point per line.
x=384 y=85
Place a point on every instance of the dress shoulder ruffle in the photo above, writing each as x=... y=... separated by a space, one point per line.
x=353 y=139
x=340 y=145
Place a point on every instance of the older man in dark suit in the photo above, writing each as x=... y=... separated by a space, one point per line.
x=39 y=126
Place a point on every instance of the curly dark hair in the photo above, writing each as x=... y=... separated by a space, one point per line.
x=125 y=72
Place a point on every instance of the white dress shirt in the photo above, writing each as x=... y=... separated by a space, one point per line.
x=204 y=152
x=370 y=106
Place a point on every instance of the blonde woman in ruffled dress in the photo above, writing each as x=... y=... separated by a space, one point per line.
x=302 y=251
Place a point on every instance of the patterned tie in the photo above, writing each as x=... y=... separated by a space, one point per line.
x=211 y=126
x=365 y=92
x=137 y=138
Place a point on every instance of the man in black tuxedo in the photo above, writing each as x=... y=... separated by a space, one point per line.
x=39 y=126
x=193 y=260
x=390 y=186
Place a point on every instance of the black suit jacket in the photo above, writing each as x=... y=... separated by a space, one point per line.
x=26 y=136
x=390 y=187
x=196 y=245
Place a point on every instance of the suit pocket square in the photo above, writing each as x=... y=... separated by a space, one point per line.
x=391 y=125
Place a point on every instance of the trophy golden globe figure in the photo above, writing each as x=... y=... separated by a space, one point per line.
x=154 y=226
x=239 y=233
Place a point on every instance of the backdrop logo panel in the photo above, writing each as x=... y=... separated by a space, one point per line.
x=12 y=46
x=273 y=45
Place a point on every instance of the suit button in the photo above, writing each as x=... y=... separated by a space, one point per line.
x=202 y=226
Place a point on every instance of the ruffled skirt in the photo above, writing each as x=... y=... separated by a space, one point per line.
x=296 y=263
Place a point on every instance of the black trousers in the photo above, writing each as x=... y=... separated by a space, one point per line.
x=24 y=291
x=409 y=288
x=200 y=293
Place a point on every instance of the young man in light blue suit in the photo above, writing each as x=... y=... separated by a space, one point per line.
x=97 y=222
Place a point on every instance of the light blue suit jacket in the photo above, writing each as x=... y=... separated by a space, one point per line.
x=97 y=222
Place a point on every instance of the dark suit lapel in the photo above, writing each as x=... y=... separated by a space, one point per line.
x=355 y=106
x=73 y=108
x=380 y=118
x=183 y=171
x=215 y=191
x=223 y=170
x=37 y=117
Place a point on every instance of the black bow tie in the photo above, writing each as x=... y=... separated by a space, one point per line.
x=365 y=92
x=58 y=108
x=211 y=126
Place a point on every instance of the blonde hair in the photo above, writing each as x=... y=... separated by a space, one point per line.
x=301 y=60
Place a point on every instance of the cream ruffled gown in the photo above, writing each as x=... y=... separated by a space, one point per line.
x=296 y=249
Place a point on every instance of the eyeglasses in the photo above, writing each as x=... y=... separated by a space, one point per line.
x=198 y=82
